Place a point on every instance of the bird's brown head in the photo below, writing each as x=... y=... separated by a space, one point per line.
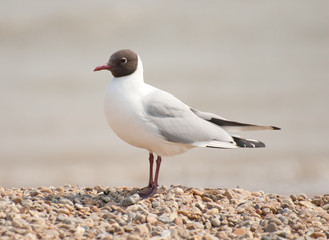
x=122 y=63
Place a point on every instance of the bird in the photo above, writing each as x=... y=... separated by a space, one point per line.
x=152 y=119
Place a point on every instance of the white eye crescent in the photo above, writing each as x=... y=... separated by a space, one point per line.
x=123 y=60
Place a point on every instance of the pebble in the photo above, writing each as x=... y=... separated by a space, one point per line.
x=277 y=221
x=267 y=237
x=212 y=211
x=325 y=207
x=286 y=203
x=165 y=218
x=156 y=204
x=229 y=194
x=165 y=234
x=131 y=200
x=78 y=206
x=179 y=191
x=142 y=230
x=221 y=235
x=152 y=219
x=207 y=224
x=197 y=192
x=65 y=201
x=17 y=200
x=318 y=235
x=215 y=222
x=128 y=229
x=307 y=204
x=240 y=231
x=105 y=198
x=141 y=218
x=271 y=227
x=79 y=231
x=19 y=223
x=133 y=237
x=178 y=221
x=302 y=196
x=266 y=211
x=256 y=194
x=70 y=212
x=64 y=211
x=44 y=190
x=209 y=237
x=214 y=205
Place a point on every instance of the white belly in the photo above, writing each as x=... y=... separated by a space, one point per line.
x=125 y=115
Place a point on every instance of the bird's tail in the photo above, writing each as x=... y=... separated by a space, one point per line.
x=237 y=142
x=247 y=143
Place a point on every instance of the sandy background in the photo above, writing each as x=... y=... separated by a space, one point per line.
x=251 y=61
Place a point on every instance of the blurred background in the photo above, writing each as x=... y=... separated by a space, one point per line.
x=250 y=61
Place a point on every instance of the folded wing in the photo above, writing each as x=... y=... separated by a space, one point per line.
x=230 y=126
x=175 y=122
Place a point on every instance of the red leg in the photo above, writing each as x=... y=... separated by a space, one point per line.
x=157 y=170
x=152 y=187
x=151 y=160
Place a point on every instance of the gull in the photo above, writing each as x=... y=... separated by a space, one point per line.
x=149 y=118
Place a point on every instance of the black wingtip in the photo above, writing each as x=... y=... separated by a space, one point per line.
x=248 y=143
x=275 y=128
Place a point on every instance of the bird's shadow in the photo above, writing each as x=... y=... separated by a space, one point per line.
x=89 y=197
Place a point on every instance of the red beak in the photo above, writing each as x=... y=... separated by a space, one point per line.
x=102 y=67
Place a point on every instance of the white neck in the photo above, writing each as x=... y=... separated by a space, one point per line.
x=135 y=79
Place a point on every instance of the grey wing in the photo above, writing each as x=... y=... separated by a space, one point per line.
x=231 y=126
x=176 y=122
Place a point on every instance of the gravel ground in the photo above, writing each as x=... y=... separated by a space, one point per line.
x=175 y=212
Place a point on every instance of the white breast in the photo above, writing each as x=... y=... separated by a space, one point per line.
x=126 y=116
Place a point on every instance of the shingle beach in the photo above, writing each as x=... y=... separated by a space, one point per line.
x=175 y=212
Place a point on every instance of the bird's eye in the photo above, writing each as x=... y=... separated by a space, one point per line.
x=123 y=60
